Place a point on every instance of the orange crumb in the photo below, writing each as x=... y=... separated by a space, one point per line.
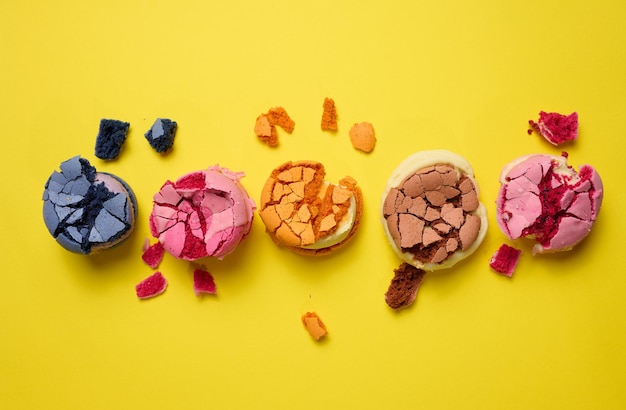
x=278 y=116
x=265 y=131
x=329 y=116
x=314 y=325
x=362 y=136
x=265 y=125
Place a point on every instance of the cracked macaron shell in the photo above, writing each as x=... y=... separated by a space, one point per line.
x=203 y=213
x=88 y=211
x=544 y=199
x=307 y=214
x=430 y=210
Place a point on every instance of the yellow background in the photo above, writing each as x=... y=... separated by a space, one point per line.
x=459 y=75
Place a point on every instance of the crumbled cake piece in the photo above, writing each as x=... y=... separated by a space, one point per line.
x=362 y=136
x=152 y=286
x=153 y=254
x=111 y=136
x=403 y=288
x=555 y=128
x=161 y=134
x=505 y=260
x=329 y=115
x=265 y=125
x=203 y=282
x=314 y=325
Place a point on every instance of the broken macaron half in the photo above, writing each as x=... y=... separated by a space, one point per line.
x=431 y=212
x=307 y=214
x=542 y=198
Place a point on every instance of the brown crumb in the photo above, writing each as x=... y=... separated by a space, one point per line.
x=404 y=285
x=265 y=125
x=362 y=136
x=314 y=325
x=329 y=116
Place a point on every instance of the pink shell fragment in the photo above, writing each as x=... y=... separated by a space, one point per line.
x=153 y=255
x=152 y=286
x=203 y=213
x=505 y=260
x=555 y=128
x=203 y=282
x=544 y=199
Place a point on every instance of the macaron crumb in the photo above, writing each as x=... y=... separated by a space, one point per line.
x=153 y=254
x=265 y=125
x=203 y=282
x=314 y=325
x=161 y=135
x=505 y=260
x=555 y=128
x=110 y=138
x=403 y=288
x=362 y=137
x=151 y=286
x=329 y=115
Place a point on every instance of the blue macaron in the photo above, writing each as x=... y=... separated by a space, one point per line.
x=88 y=211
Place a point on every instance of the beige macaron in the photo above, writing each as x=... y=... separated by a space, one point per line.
x=431 y=211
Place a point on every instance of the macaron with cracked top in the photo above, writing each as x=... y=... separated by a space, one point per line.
x=544 y=199
x=88 y=211
x=431 y=212
x=307 y=214
x=204 y=213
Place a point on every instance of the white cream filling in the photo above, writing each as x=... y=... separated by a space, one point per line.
x=342 y=232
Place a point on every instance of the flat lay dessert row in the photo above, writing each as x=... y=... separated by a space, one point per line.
x=430 y=209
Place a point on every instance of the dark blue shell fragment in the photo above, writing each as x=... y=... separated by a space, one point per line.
x=161 y=134
x=111 y=136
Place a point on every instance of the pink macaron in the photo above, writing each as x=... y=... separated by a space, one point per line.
x=543 y=198
x=204 y=213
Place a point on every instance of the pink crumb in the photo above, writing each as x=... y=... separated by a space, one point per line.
x=153 y=255
x=555 y=128
x=203 y=282
x=153 y=285
x=505 y=260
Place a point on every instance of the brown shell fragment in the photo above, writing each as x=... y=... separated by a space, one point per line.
x=469 y=231
x=469 y=201
x=411 y=229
